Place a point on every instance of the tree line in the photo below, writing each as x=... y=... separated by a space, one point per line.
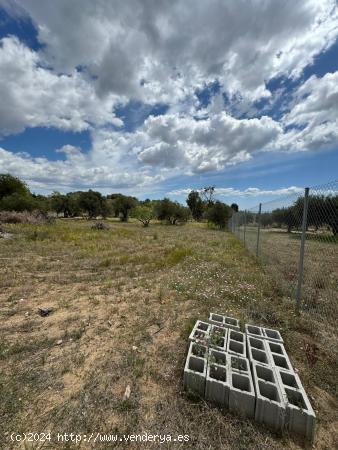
x=201 y=206
x=322 y=212
x=15 y=196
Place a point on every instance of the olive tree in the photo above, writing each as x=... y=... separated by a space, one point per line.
x=144 y=214
x=171 y=212
x=122 y=206
x=219 y=213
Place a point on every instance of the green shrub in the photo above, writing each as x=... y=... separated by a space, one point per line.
x=219 y=213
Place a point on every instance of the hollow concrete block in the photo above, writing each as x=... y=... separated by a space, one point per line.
x=195 y=369
x=238 y=364
x=242 y=396
x=223 y=320
x=236 y=343
x=217 y=357
x=216 y=319
x=253 y=330
x=270 y=405
x=272 y=335
x=200 y=332
x=281 y=361
x=218 y=338
x=217 y=385
x=231 y=322
x=300 y=417
x=258 y=353
x=278 y=355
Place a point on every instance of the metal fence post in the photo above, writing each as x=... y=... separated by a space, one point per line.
x=244 y=230
x=258 y=229
x=301 y=251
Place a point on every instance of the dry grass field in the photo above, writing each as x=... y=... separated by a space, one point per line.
x=124 y=301
x=279 y=251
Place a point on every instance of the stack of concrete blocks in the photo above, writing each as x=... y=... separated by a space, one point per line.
x=195 y=370
x=224 y=321
x=288 y=405
x=248 y=373
x=228 y=381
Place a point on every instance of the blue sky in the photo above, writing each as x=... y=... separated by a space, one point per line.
x=136 y=99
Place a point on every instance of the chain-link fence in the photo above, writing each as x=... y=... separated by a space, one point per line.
x=296 y=237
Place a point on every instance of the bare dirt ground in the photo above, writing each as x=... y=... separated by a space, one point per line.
x=124 y=301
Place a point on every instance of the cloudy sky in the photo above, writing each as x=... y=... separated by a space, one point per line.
x=155 y=97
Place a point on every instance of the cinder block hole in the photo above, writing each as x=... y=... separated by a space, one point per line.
x=236 y=347
x=269 y=391
x=280 y=361
x=202 y=326
x=276 y=348
x=196 y=364
x=259 y=355
x=199 y=334
x=218 y=357
x=217 y=341
x=295 y=398
x=241 y=382
x=273 y=334
x=230 y=321
x=218 y=373
x=289 y=379
x=217 y=318
x=218 y=331
x=198 y=350
x=236 y=336
x=265 y=374
x=239 y=363
x=254 y=330
x=256 y=343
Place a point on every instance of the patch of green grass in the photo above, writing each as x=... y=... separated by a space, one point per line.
x=76 y=333
x=177 y=254
x=22 y=348
x=4 y=348
x=78 y=359
x=161 y=293
x=11 y=400
x=38 y=235
x=65 y=369
x=93 y=300
x=188 y=326
x=126 y=405
x=324 y=238
x=104 y=263
x=64 y=303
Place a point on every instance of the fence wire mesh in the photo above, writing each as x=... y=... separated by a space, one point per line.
x=273 y=231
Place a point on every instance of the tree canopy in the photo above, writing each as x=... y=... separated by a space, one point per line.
x=122 y=205
x=16 y=196
x=12 y=185
x=196 y=205
x=219 y=214
x=93 y=203
x=171 y=212
x=144 y=214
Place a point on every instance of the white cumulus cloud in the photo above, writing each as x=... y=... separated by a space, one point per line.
x=32 y=95
x=97 y=55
